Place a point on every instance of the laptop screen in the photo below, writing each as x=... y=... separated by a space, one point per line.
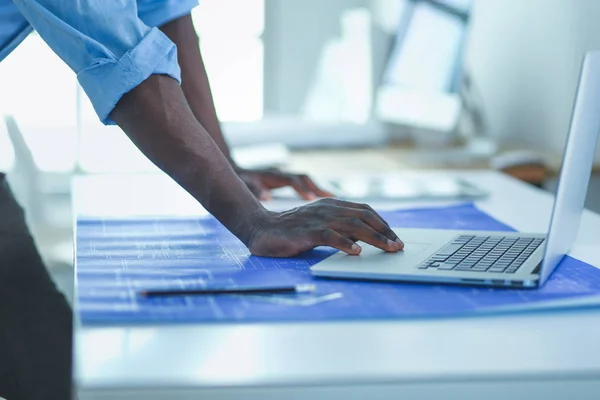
x=576 y=168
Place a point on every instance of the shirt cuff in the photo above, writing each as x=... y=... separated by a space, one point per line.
x=108 y=80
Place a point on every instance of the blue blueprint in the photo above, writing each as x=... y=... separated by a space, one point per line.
x=116 y=258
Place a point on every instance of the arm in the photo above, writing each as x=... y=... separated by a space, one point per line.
x=194 y=80
x=174 y=140
x=130 y=73
x=196 y=87
x=178 y=144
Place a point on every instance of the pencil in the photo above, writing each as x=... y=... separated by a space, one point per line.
x=306 y=288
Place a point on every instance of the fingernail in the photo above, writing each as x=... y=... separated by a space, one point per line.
x=399 y=241
x=355 y=248
x=391 y=244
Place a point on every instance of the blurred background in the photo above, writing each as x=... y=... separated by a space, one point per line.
x=312 y=85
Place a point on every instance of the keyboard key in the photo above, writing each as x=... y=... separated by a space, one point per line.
x=462 y=268
x=461 y=241
x=449 y=250
x=438 y=258
x=495 y=254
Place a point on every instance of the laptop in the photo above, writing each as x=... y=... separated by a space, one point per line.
x=500 y=259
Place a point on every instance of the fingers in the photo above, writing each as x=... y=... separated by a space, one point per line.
x=357 y=229
x=313 y=186
x=302 y=187
x=367 y=215
x=357 y=206
x=302 y=184
x=274 y=179
x=331 y=238
x=373 y=219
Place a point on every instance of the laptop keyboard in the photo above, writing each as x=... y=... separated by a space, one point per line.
x=495 y=254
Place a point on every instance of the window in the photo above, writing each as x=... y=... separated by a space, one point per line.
x=230 y=39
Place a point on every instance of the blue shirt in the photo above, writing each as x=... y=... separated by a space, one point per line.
x=112 y=45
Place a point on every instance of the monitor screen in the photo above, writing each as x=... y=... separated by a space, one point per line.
x=428 y=46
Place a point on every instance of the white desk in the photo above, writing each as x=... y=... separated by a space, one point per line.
x=546 y=355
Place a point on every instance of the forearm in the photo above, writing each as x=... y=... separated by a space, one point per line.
x=194 y=79
x=157 y=118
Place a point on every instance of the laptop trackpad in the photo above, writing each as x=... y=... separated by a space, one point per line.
x=410 y=249
x=373 y=258
x=418 y=246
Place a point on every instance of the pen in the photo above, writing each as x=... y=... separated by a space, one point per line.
x=306 y=288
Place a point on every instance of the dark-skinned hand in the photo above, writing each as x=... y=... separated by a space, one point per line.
x=262 y=181
x=326 y=222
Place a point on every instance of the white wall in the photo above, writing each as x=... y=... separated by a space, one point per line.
x=525 y=55
x=296 y=32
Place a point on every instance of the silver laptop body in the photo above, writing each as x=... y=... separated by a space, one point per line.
x=503 y=259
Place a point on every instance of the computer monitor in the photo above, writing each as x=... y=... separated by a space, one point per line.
x=420 y=84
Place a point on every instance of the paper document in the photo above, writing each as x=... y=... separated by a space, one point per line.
x=117 y=258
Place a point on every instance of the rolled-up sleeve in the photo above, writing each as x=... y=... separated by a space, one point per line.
x=110 y=49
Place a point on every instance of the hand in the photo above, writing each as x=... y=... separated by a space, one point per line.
x=260 y=182
x=327 y=222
